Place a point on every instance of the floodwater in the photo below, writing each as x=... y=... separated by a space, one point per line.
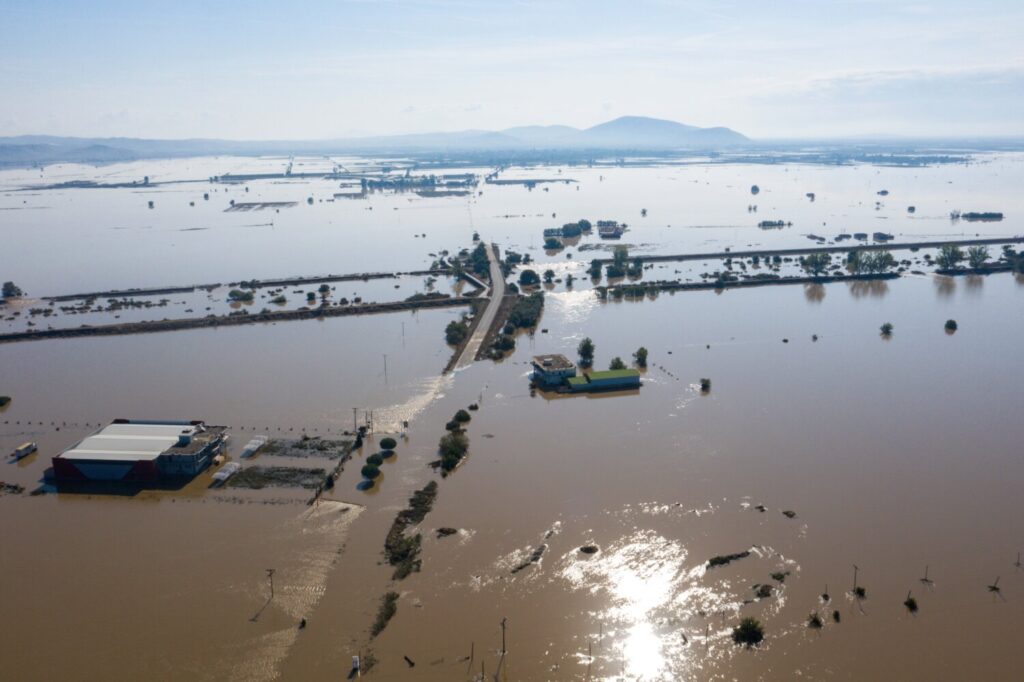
x=895 y=454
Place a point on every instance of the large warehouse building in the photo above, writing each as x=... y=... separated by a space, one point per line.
x=139 y=451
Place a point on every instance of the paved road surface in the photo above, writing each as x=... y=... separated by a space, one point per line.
x=496 y=293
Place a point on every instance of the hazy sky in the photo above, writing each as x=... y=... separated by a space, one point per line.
x=337 y=68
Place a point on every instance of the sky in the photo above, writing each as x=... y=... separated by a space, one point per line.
x=324 y=69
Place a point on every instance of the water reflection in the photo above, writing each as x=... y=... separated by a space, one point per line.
x=973 y=284
x=644 y=580
x=945 y=287
x=814 y=293
x=875 y=288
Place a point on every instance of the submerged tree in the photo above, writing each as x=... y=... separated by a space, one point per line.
x=949 y=257
x=977 y=255
x=816 y=263
x=586 y=352
x=640 y=357
x=617 y=363
x=749 y=632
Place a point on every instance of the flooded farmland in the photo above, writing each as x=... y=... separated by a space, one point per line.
x=820 y=446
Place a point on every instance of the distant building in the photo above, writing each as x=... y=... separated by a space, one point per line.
x=609 y=380
x=139 y=451
x=558 y=373
x=551 y=371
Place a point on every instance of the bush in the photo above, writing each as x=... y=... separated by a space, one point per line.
x=462 y=416
x=388 y=443
x=749 y=632
x=529 y=278
x=375 y=460
x=279 y=299
x=456 y=332
x=11 y=290
x=370 y=471
x=526 y=311
x=452 y=448
x=239 y=295
x=951 y=325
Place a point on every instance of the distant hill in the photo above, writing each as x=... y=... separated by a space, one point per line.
x=622 y=134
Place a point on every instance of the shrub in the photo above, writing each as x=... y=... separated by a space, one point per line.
x=526 y=311
x=749 y=632
x=951 y=325
x=456 y=332
x=388 y=443
x=452 y=448
x=388 y=608
x=239 y=295
x=370 y=471
x=375 y=460
x=279 y=299
x=529 y=277
x=462 y=416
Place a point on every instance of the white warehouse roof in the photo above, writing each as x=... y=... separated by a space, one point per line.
x=136 y=441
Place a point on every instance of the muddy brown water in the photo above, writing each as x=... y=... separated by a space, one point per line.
x=895 y=454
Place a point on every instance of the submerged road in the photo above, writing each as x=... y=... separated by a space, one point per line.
x=497 y=293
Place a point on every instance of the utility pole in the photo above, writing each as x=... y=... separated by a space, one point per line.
x=503 y=649
x=385 y=368
x=355 y=426
x=270 y=575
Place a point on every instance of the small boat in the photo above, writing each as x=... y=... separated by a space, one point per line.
x=24 y=450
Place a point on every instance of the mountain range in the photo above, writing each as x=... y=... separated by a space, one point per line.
x=622 y=134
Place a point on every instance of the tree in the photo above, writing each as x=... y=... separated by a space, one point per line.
x=324 y=289
x=595 y=269
x=551 y=244
x=949 y=256
x=11 y=290
x=569 y=280
x=977 y=255
x=816 y=263
x=528 y=278
x=462 y=416
x=369 y=471
x=388 y=443
x=375 y=459
x=549 y=276
x=586 y=352
x=640 y=357
x=887 y=329
x=951 y=325
x=880 y=261
x=855 y=262
x=456 y=332
x=617 y=363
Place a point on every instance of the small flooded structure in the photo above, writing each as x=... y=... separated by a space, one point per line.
x=226 y=472
x=608 y=380
x=551 y=371
x=252 y=446
x=24 y=450
x=141 y=451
